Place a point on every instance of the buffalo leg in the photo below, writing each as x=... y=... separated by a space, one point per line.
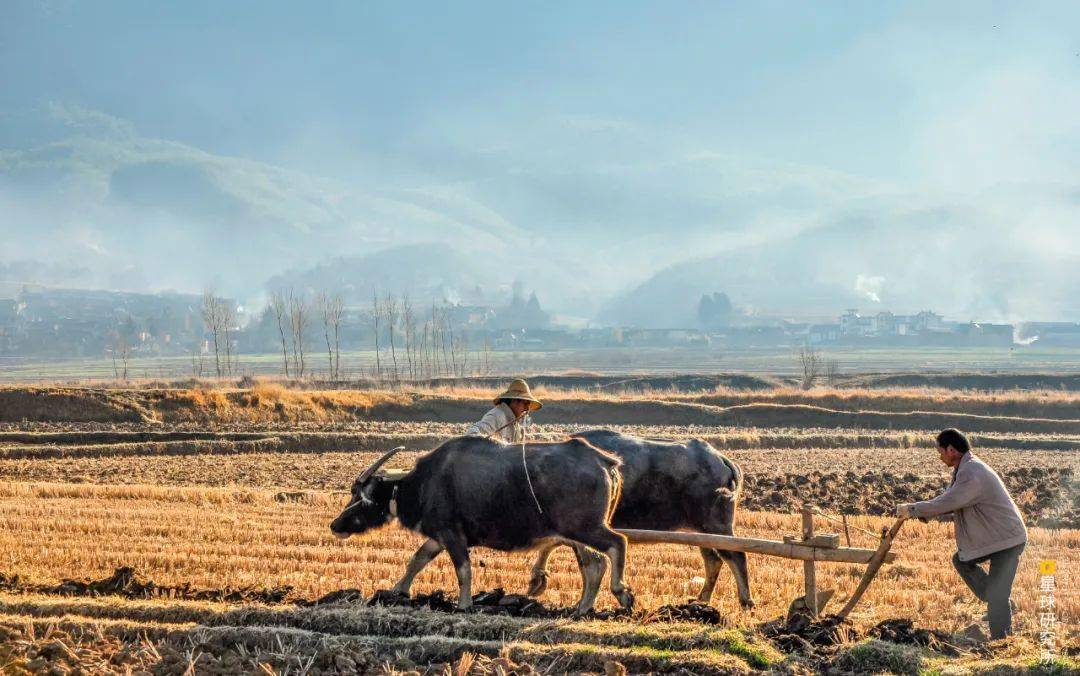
x=459 y=554
x=539 y=580
x=713 y=564
x=592 y=566
x=423 y=556
x=736 y=561
x=722 y=523
x=613 y=545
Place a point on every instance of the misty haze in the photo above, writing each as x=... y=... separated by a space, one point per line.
x=890 y=161
x=515 y=338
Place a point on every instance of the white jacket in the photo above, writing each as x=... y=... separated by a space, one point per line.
x=499 y=423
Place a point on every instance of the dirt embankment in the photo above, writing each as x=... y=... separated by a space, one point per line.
x=967 y=381
x=763 y=415
x=708 y=382
x=621 y=384
x=74 y=404
x=272 y=404
x=261 y=403
x=1050 y=405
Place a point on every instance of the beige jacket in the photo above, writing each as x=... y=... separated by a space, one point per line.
x=499 y=423
x=984 y=515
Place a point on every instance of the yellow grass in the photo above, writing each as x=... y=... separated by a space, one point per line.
x=267 y=402
x=246 y=537
x=270 y=402
x=864 y=397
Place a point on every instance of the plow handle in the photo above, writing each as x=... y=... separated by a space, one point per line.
x=872 y=567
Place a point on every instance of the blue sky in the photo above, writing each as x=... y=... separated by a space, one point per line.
x=848 y=86
x=712 y=124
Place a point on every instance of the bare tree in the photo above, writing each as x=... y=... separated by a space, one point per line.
x=441 y=320
x=321 y=302
x=461 y=346
x=337 y=315
x=409 y=325
x=811 y=363
x=390 y=306
x=330 y=309
x=299 y=316
x=227 y=318
x=121 y=352
x=832 y=372
x=376 y=311
x=197 y=365
x=435 y=372
x=211 y=316
x=427 y=366
x=280 y=309
x=487 y=357
x=421 y=352
x=449 y=341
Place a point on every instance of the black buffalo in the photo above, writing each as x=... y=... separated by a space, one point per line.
x=668 y=485
x=472 y=491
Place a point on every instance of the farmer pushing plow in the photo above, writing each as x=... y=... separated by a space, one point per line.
x=989 y=527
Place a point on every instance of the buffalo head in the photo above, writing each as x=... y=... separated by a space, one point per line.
x=369 y=504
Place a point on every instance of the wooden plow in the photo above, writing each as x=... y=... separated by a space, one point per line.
x=810 y=548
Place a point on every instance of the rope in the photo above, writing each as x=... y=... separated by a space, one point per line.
x=528 y=479
x=828 y=517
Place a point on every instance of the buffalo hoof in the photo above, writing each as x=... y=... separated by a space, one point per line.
x=538 y=583
x=626 y=598
x=748 y=604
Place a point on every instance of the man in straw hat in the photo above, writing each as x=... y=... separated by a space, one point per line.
x=504 y=421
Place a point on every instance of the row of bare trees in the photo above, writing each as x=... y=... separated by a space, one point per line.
x=293 y=313
x=410 y=342
x=432 y=345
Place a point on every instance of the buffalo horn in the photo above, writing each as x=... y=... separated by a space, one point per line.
x=370 y=471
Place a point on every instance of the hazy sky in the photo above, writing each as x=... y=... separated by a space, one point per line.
x=656 y=132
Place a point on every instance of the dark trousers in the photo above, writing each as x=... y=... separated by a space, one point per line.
x=994 y=587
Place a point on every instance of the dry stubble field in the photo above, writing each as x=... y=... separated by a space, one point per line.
x=219 y=501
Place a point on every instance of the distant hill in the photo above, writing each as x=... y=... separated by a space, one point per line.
x=945 y=259
x=187 y=218
x=425 y=272
x=94 y=204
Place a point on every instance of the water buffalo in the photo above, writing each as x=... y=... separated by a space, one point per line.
x=668 y=485
x=472 y=491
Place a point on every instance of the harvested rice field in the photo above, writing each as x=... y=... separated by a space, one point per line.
x=171 y=528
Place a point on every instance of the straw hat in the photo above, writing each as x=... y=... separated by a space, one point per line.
x=519 y=389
